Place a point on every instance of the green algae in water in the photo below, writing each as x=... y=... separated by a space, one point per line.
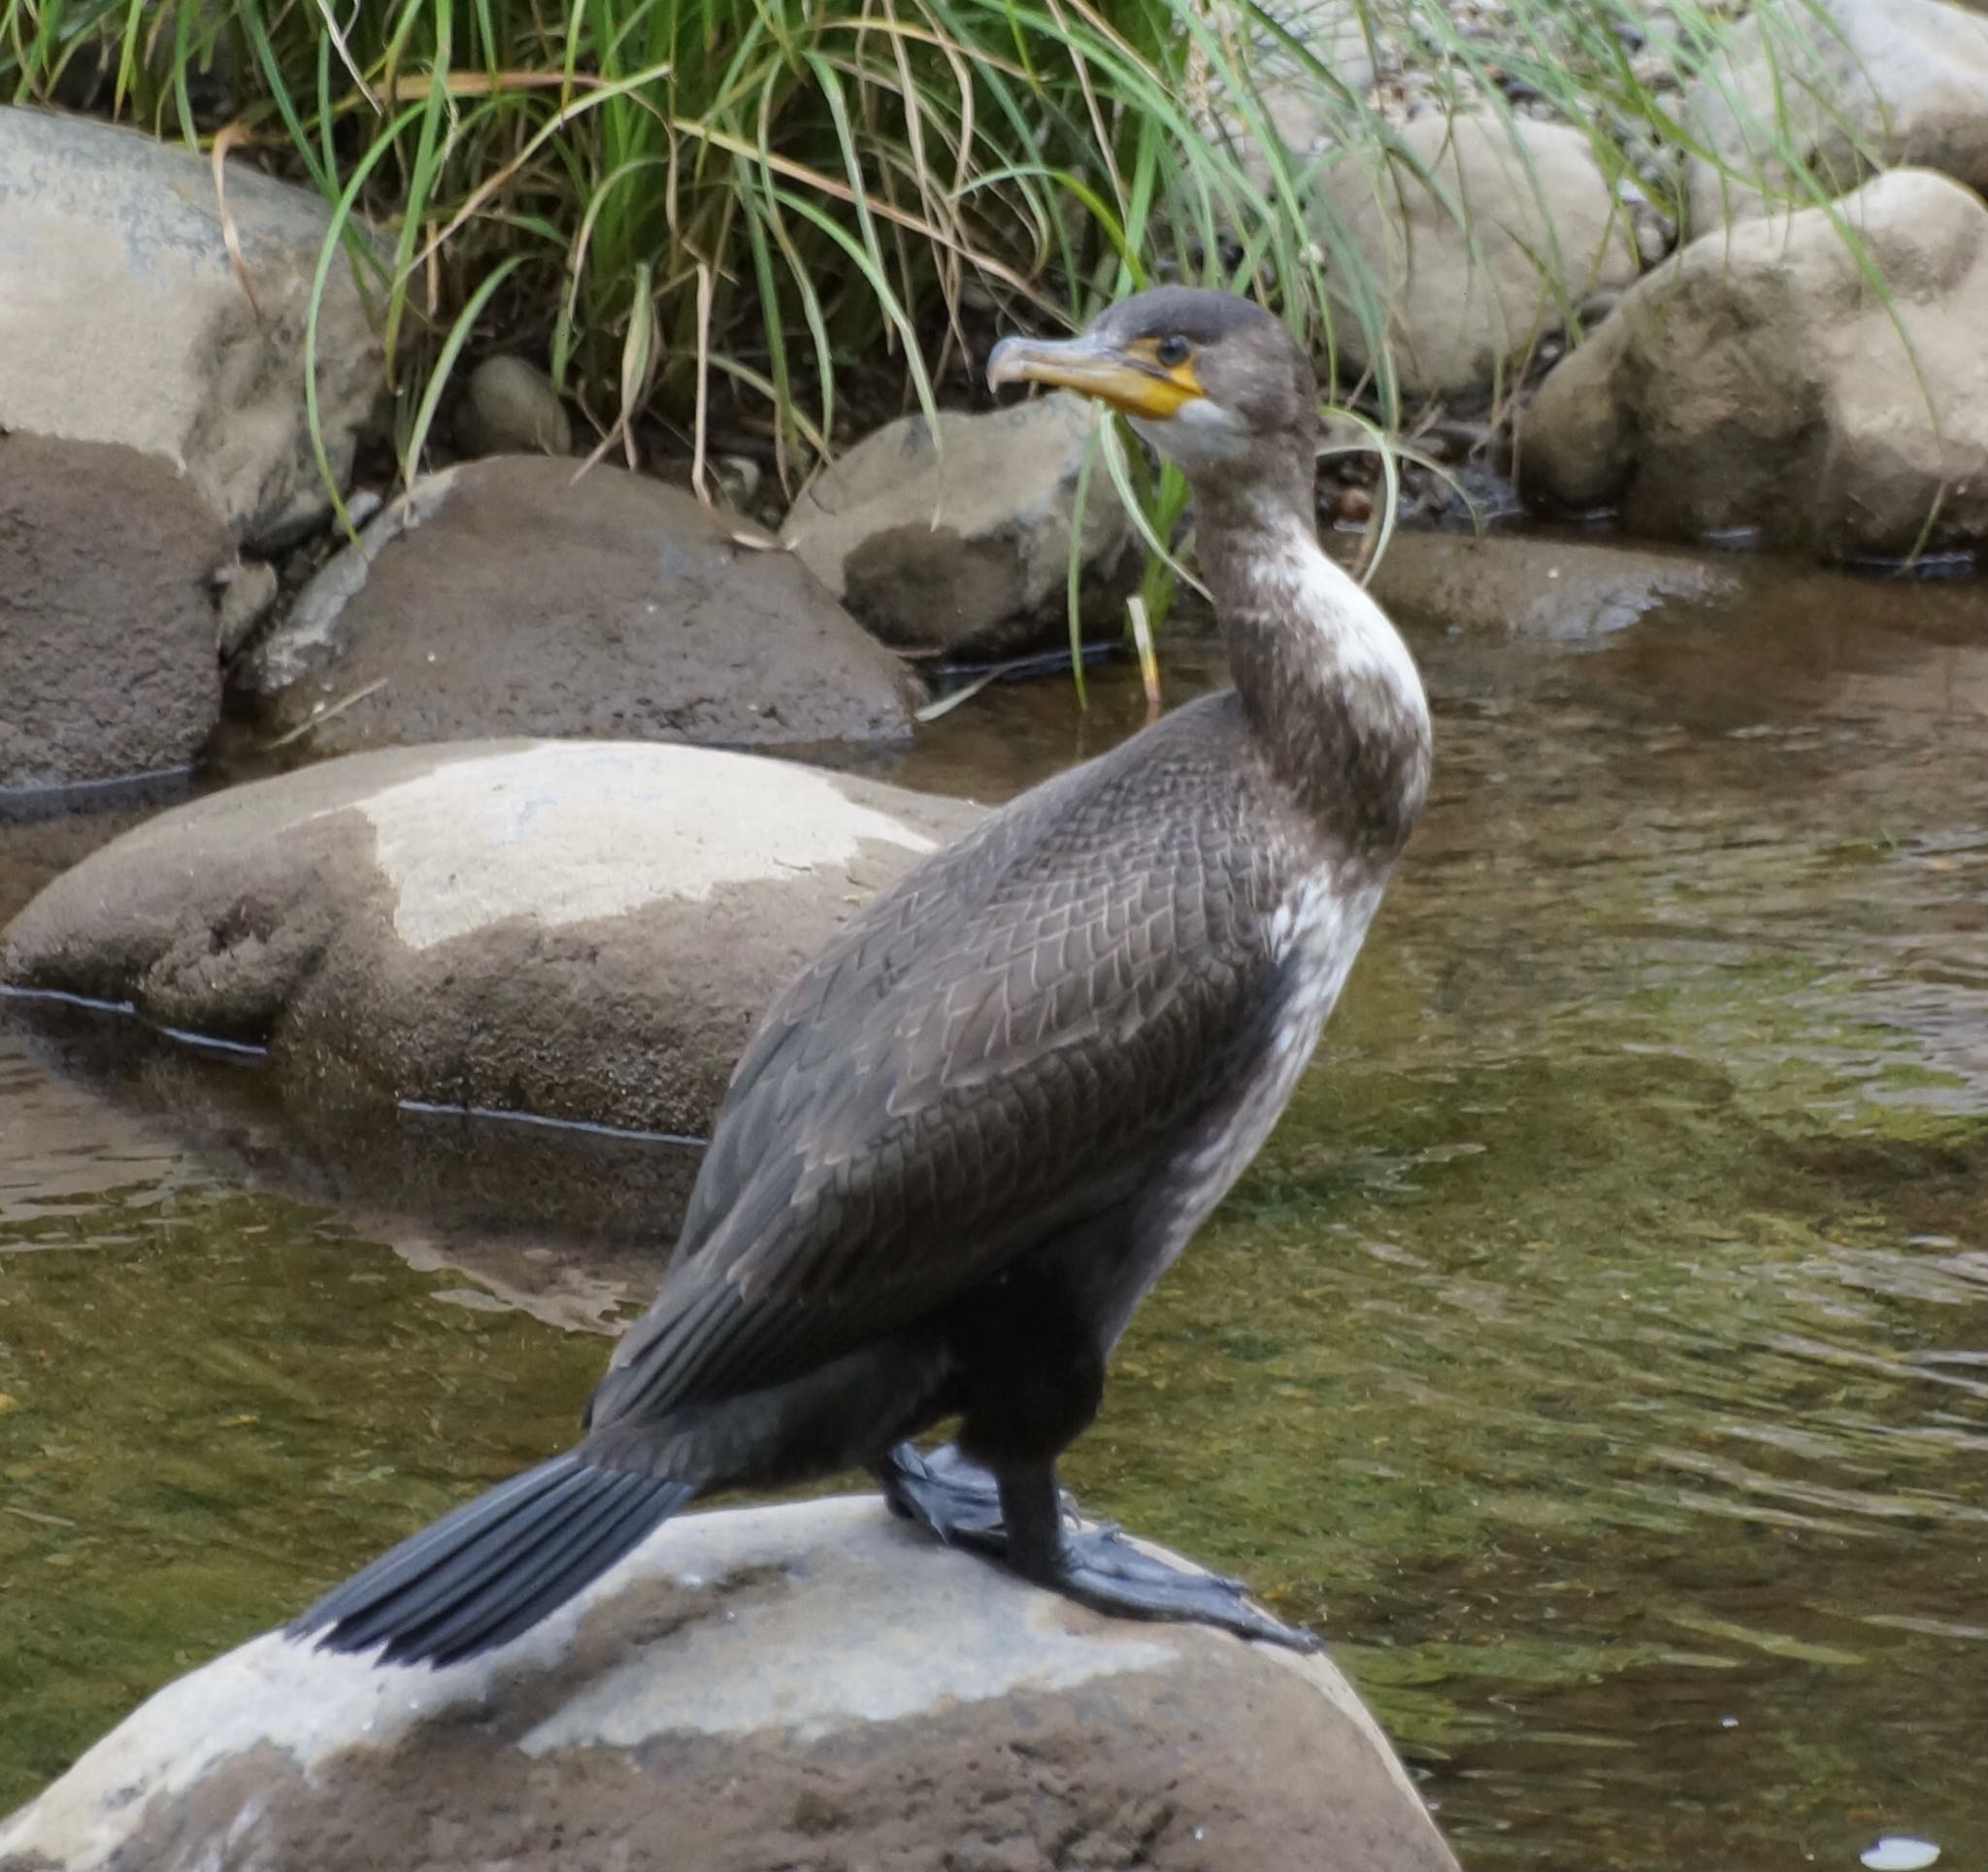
x=219 y=1403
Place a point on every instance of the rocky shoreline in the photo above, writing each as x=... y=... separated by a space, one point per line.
x=1794 y=367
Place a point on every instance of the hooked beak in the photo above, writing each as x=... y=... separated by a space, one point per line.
x=1136 y=385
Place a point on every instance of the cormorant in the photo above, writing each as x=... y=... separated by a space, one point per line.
x=962 y=1145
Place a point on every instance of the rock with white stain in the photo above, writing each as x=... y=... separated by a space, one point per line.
x=1759 y=382
x=123 y=317
x=582 y=931
x=963 y=545
x=1479 y=236
x=1847 y=87
x=807 y=1687
x=514 y=595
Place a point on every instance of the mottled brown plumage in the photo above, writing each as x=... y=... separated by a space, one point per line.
x=968 y=1137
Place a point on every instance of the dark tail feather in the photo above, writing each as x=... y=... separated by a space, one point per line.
x=496 y=1566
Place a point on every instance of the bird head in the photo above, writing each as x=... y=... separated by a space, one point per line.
x=1208 y=378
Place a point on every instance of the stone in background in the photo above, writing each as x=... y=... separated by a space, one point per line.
x=964 y=548
x=108 y=613
x=1854 y=86
x=506 y=596
x=122 y=318
x=1541 y=232
x=1757 y=381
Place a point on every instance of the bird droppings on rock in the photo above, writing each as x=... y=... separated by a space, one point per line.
x=806 y=1685
x=583 y=931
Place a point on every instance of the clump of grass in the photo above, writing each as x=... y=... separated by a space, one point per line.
x=761 y=206
x=667 y=199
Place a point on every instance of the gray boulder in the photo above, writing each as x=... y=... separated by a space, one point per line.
x=1480 y=236
x=964 y=546
x=583 y=931
x=811 y=1688
x=109 y=664
x=1849 y=87
x=1757 y=381
x=504 y=596
x=122 y=318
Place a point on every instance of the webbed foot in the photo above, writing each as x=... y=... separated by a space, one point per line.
x=965 y=1505
x=1104 y=1569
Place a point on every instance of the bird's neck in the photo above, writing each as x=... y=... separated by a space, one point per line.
x=1329 y=688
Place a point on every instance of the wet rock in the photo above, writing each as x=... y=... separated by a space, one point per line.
x=1541 y=231
x=1758 y=382
x=1849 y=84
x=808 y=1686
x=583 y=931
x=509 y=408
x=107 y=663
x=122 y=318
x=965 y=545
x=503 y=596
x=1537 y=588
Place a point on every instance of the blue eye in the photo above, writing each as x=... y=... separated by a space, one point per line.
x=1172 y=351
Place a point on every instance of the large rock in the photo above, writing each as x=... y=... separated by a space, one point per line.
x=1847 y=87
x=809 y=1687
x=504 y=596
x=578 y=929
x=1758 y=382
x=122 y=318
x=964 y=546
x=108 y=659
x=1479 y=236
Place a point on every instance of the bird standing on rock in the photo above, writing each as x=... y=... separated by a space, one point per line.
x=967 y=1138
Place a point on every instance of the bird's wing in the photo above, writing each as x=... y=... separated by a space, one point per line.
x=996 y=1047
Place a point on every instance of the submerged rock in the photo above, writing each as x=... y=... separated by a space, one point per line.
x=1479 y=236
x=1537 y=588
x=1849 y=87
x=807 y=1687
x=583 y=931
x=108 y=657
x=1759 y=382
x=964 y=546
x=504 y=596
x=122 y=318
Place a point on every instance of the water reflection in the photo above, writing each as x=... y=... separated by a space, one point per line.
x=1597 y=1354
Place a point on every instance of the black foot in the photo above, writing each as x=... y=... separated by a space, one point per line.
x=956 y=1500
x=1100 y=1568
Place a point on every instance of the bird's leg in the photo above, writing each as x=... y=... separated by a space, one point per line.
x=1022 y=1520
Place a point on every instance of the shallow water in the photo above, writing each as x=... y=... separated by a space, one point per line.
x=1597 y=1354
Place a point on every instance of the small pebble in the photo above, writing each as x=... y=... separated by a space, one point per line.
x=1354 y=505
